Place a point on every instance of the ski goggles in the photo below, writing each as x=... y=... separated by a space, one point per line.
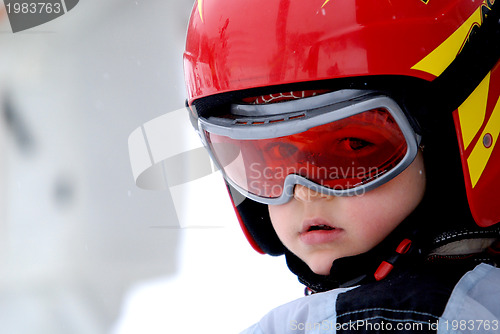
x=342 y=143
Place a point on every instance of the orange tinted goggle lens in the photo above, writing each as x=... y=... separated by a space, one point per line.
x=340 y=155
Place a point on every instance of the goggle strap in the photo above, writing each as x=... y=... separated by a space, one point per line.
x=478 y=57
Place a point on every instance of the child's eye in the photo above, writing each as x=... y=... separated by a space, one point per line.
x=355 y=144
x=281 y=150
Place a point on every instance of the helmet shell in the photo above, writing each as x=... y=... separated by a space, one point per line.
x=477 y=122
x=240 y=45
x=236 y=45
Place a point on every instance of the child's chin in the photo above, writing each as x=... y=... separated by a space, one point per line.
x=321 y=268
x=320 y=261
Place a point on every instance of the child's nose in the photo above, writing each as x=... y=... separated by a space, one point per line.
x=303 y=194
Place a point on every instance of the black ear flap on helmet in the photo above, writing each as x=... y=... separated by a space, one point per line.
x=256 y=224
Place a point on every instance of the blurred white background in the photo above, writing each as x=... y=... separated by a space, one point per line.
x=82 y=248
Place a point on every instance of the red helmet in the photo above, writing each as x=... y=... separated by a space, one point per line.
x=237 y=49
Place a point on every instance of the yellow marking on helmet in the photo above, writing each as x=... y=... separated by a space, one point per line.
x=472 y=111
x=480 y=155
x=442 y=56
x=324 y=3
x=200 y=9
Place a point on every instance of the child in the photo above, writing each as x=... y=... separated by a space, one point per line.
x=335 y=124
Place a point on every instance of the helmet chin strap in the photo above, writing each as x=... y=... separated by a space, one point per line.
x=354 y=270
x=401 y=248
x=408 y=246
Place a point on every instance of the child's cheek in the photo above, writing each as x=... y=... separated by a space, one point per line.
x=380 y=211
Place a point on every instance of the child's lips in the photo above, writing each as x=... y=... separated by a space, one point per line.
x=316 y=224
x=318 y=231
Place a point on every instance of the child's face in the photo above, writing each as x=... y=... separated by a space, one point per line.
x=355 y=224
